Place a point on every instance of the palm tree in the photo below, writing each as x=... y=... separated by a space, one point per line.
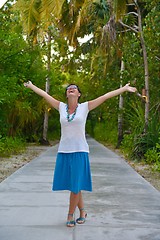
x=118 y=11
x=119 y=8
x=36 y=17
x=39 y=16
x=73 y=19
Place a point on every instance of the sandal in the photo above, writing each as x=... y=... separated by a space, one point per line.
x=81 y=220
x=70 y=223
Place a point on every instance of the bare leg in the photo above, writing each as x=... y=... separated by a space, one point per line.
x=74 y=199
x=80 y=203
x=81 y=206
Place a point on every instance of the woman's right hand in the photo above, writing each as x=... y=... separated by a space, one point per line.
x=27 y=84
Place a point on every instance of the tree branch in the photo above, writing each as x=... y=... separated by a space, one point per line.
x=131 y=28
x=135 y=2
x=134 y=13
x=157 y=58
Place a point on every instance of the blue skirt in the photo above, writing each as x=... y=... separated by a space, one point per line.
x=72 y=172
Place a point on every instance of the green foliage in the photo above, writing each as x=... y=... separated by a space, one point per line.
x=148 y=140
x=18 y=62
x=133 y=124
x=103 y=132
x=137 y=144
x=119 y=8
x=134 y=115
x=10 y=146
x=127 y=145
x=152 y=156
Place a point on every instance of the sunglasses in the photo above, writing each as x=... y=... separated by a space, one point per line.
x=72 y=87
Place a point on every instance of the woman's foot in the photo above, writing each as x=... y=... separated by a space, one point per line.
x=70 y=221
x=82 y=217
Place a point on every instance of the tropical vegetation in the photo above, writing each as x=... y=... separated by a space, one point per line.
x=99 y=45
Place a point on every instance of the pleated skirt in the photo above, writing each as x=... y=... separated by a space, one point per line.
x=72 y=172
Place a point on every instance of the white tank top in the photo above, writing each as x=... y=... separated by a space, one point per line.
x=73 y=133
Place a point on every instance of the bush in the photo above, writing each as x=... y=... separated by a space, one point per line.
x=10 y=146
x=152 y=156
x=104 y=132
x=127 y=145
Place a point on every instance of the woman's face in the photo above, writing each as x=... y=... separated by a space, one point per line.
x=72 y=91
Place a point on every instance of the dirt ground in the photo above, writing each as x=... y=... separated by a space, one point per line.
x=146 y=172
x=11 y=164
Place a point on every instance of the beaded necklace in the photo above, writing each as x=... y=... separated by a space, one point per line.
x=68 y=115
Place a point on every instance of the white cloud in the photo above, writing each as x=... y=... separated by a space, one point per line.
x=2 y=2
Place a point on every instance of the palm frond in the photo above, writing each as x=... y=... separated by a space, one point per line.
x=51 y=8
x=29 y=13
x=80 y=17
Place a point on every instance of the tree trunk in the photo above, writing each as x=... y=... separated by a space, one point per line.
x=120 y=115
x=146 y=72
x=47 y=88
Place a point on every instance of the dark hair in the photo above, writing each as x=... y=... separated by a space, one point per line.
x=77 y=88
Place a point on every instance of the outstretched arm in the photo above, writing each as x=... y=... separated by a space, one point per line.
x=52 y=101
x=98 y=101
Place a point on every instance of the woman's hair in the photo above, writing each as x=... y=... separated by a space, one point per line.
x=77 y=89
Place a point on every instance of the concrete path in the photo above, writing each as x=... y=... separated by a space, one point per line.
x=122 y=206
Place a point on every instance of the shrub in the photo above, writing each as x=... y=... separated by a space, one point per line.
x=127 y=145
x=152 y=156
x=9 y=145
x=145 y=141
x=104 y=132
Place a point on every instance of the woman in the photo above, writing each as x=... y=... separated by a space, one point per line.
x=72 y=170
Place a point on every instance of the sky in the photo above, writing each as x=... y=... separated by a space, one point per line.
x=2 y=2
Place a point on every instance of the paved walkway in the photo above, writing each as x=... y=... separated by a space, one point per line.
x=122 y=206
